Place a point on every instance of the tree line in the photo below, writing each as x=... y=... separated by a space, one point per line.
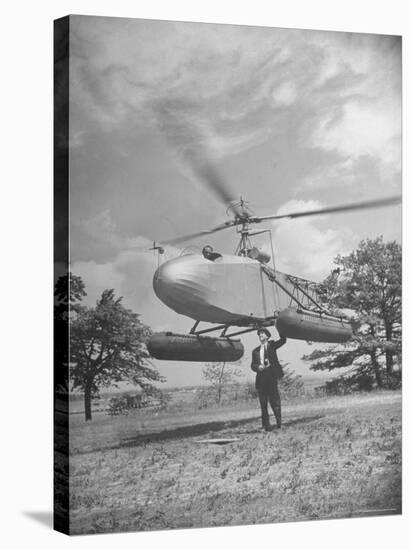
x=98 y=347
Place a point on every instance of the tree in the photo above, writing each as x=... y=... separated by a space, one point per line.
x=68 y=292
x=291 y=384
x=107 y=346
x=220 y=376
x=69 y=289
x=369 y=290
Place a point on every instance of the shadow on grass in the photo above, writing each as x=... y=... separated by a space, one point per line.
x=196 y=430
x=285 y=425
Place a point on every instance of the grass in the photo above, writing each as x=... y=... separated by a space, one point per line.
x=335 y=457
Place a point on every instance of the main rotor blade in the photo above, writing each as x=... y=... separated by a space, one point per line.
x=210 y=177
x=378 y=203
x=190 y=142
x=184 y=238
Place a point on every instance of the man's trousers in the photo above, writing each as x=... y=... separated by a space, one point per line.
x=270 y=394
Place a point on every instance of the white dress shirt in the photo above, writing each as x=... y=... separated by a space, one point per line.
x=262 y=353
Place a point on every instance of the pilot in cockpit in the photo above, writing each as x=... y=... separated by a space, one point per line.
x=209 y=254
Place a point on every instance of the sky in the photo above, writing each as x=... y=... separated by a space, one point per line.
x=290 y=119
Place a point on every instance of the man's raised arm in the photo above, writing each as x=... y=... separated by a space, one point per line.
x=279 y=343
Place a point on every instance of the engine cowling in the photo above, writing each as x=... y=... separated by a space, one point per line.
x=257 y=254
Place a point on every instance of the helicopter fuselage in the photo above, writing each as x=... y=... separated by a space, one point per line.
x=230 y=290
x=240 y=291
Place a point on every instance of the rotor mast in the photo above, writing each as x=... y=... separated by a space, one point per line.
x=244 y=243
x=243 y=220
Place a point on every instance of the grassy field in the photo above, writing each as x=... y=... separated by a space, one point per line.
x=335 y=457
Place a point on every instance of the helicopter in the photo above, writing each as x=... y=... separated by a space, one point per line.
x=242 y=292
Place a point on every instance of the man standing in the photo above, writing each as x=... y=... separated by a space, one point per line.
x=268 y=370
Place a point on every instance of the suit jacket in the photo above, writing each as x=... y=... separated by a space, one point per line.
x=269 y=375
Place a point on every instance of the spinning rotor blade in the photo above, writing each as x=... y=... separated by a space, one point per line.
x=329 y=209
x=190 y=143
x=210 y=177
x=184 y=238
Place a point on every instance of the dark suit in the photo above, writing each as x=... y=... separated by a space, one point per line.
x=267 y=380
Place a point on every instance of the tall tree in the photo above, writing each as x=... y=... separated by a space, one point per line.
x=220 y=376
x=69 y=290
x=369 y=290
x=107 y=346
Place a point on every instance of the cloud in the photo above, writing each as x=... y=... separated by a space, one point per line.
x=305 y=249
x=364 y=117
x=285 y=94
x=341 y=173
x=226 y=80
x=225 y=89
x=296 y=205
x=129 y=272
x=97 y=233
x=97 y=278
x=214 y=91
x=371 y=129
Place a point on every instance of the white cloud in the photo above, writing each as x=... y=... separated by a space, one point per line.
x=364 y=129
x=342 y=173
x=227 y=89
x=364 y=116
x=130 y=274
x=100 y=227
x=303 y=248
x=97 y=278
x=296 y=205
x=97 y=233
x=285 y=94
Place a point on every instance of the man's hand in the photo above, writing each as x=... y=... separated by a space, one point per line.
x=260 y=368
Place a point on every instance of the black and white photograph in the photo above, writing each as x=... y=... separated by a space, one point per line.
x=228 y=275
